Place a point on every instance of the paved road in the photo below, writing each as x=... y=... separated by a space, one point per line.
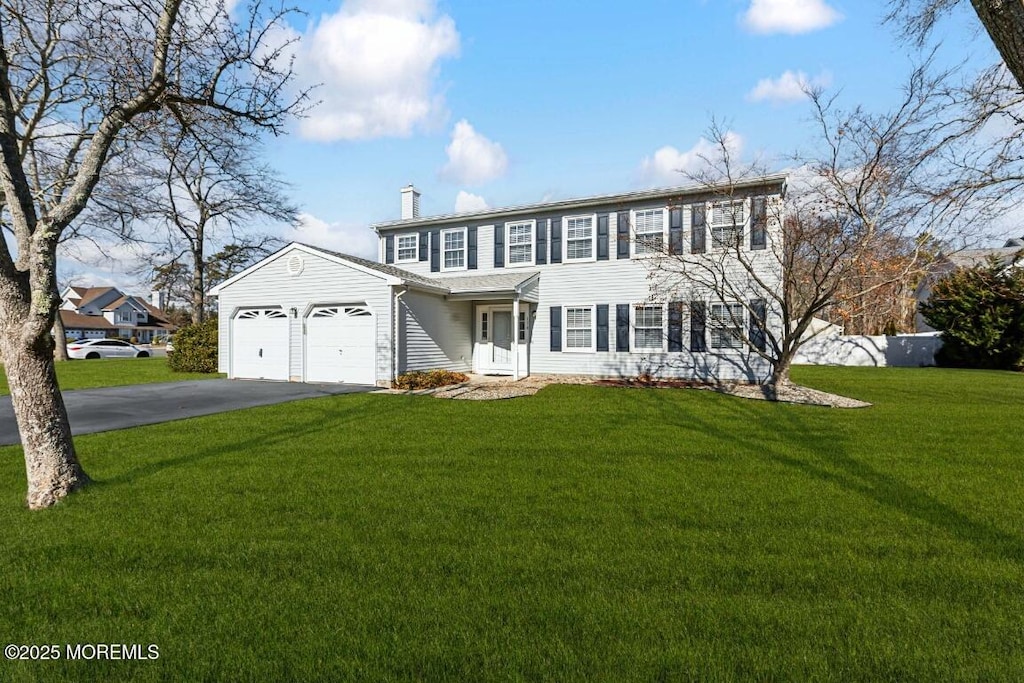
x=100 y=410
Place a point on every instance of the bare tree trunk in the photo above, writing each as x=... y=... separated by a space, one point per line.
x=198 y=288
x=1004 y=21
x=60 y=339
x=51 y=465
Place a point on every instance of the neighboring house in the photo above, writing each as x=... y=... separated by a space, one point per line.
x=558 y=287
x=101 y=312
x=967 y=258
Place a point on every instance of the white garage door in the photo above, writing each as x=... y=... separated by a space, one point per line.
x=341 y=345
x=259 y=344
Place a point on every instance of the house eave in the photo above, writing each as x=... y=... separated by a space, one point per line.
x=778 y=179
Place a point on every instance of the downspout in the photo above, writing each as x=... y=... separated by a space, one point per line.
x=395 y=332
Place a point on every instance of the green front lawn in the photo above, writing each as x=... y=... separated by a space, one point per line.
x=585 y=533
x=112 y=372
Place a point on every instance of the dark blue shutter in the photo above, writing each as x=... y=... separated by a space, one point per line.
x=602 y=327
x=675 y=230
x=758 y=310
x=622 y=327
x=556 y=328
x=471 y=244
x=698 y=228
x=759 y=224
x=698 y=314
x=623 y=235
x=389 y=249
x=675 y=326
x=556 y=240
x=602 y=237
x=424 y=245
x=542 y=242
x=499 y=245
x=435 y=251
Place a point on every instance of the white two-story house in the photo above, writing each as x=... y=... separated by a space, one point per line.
x=102 y=312
x=559 y=287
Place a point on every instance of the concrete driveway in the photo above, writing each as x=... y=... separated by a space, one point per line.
x=100 y=410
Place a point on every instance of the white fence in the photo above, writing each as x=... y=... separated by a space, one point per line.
x=910 y=350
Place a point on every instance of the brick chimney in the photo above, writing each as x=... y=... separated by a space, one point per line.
x=410 y=202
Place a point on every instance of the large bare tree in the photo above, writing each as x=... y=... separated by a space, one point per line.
x=85 y=77
x=871 y=186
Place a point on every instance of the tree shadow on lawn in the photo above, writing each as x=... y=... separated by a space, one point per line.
x=324 y=415
x=835 y=464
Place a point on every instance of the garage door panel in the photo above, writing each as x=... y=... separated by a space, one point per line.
x=341 y=344
x=259 y=344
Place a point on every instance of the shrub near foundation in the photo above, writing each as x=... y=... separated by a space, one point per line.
x=195 y=348
x=430 y=379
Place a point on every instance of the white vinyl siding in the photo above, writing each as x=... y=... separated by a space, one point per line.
x=519 y=244
x=453 y=249
x=579 y=328
x=727 y=222
x=434 y=333
x=407 y=248
x=579 y=237
x=648 y=327
x=726 y=326
x=649 y=226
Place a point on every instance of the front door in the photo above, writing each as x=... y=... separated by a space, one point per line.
x=501 y=341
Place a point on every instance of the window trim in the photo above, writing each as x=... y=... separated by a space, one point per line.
x=634 y=235
x=712 y=323
x=743 y=227
x=565 y=330
x=415 y=248
x=508 y=244
x=593 y=239
x=634 y=346
x=464 y=250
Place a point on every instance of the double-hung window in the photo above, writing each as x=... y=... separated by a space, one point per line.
x=579 y=328
x=649 y=327
x=520 y=243
x=407 y=248
x=648 y=231
x=453 y=248
x=727 y=221
x=579 y=238
x=726 y=326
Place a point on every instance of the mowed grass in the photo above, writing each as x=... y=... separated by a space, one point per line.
x=586 y=533
x=112 y=372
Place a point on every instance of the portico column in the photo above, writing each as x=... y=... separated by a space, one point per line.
x=515 y=339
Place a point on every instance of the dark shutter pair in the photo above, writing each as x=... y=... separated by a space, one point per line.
x=602 y=328
x=759 y=224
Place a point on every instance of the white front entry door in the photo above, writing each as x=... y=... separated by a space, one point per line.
x=501 y=341
x=341 y=345
x=259 y=344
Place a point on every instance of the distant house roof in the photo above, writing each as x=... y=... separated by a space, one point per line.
x=93 y=293
x=77 y=321
x=968 y=258
x=117 y=303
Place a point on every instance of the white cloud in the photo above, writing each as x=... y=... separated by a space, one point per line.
x=376 y=62
x=356 y=240
x=466 y=202
x=791 y=86
x=472 y=158
x=669 y=165
x=789 y=16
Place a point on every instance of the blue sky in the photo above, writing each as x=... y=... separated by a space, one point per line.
x=503 y=103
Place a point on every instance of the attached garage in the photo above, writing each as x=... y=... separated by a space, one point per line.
x=341 y=344
x=259 y=344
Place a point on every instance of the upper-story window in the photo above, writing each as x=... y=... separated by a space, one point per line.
x=649 y=231
x=579 y=238
x=407 y=248
x=124 y=317
x=727 y=221
x=453 y=247
x=520 y=244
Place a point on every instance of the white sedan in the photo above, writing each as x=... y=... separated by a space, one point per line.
x=105 y=348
